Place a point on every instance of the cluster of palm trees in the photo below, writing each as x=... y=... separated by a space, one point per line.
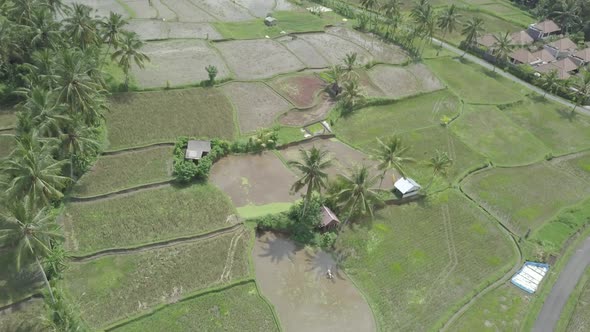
x=356 y=193
x=51 y=60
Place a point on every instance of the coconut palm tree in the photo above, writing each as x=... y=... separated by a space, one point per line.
x=350 y=61
x=43 y=29
x=334 y=76
x=582 y=84
x=40 y=112
x=57 y=7
x=392 y=11
x=351 y=94
x=568 y=14
x=76 y=140
x=358 y=195
x=313 y=166
x=390 y=154
x=440 y=164
x=447 y=22
x=472 y=30
x=549 y=82
x=502 y=48
x=369 y=5
x=424 y=18
x=30 y=233
x=129 y=53
x=111 y=31
x=81 y=27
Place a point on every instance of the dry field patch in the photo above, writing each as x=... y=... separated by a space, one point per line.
x=398 y=82
x=158 y=30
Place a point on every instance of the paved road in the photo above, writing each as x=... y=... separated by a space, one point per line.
x=511 y=77
x=567 y=281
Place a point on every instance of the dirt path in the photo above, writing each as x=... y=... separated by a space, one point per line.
x=564 y=286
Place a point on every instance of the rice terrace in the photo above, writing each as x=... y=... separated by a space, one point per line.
x=294 y=165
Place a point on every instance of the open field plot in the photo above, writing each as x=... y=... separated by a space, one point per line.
x=502 y=309
x=422 y=111
x=334 y=48
x=399 y=82
x=111 y=288
x=257 y=104
x=6 y=144
x=262 y=7
x=254 y=179
x=223 y=10
x=138 y=119
x=343 y=157
x=145 y=217
x=154 y=9
x=580 y=318
x=381 y=52
x=25 y=317
x=487 y=130
x=100 y=7
x=525 y=197
x=179 y=62
x=475 y=84
x=553 y=124
x=158 y=29
x=16 y=285
x=491 y=24
x=296 y=117
x=187 y=11
x=304 y=51
x=123 y=171
x=577 y=165
x=7 y=119
x=259 y=58
x=302 y=90
x=239 y=308
x=417 y=261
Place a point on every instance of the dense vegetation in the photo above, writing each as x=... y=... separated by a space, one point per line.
x=574 y=15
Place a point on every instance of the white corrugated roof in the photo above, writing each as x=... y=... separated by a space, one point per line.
x=530 y=276
x=405 y=185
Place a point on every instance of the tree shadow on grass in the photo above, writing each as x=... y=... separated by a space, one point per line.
x=539 y=99
x=567 y=114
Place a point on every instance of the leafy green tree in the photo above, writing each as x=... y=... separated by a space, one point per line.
x=424 y=18
x=81 y=27
x=502 y=48
x=350 y=61
x=313 y=166
x=351 y=94
x=128 y=53
x=77 y=140
x=392 y=11
x=43 y=29
x=111 y=31
x=549 y=82
x=30 y=233
x=448 y=21
x=334 y=76
x=358 y=195
x=41 y=113
x=212 y=73
x=440 y=164
x=568 y=14
x=369 y=5
x=390 y=154
x=472 y=30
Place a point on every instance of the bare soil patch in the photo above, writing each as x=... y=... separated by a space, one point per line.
x=343 y=157
x=381 y=51
x=397 y=82
x=304 y=51
x=101 y=7
x=254 y=179
x=187 y=11
x=303 y=117
x=260 y=8
x=334 y=48
x=224 y=10
x=158 y=30
x=157 y=10
x=301 y=90
x=180 y=62
x=253 y=59
x=257 y=104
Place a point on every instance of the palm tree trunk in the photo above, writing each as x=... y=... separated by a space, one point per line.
x=105 y=56
x=431 y=181
x=126 y=80
x=45 y=279
x=307 y=198
x=382 y=177
x=72 y=166
x=348 y=217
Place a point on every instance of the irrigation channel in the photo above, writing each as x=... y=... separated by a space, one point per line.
x=295 y=281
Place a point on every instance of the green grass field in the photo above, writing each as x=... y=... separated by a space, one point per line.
x=289 y=134
x=26 y=318
x=488 y=130
x=239 y=308
x=145 y=217
x=475 y=84
x=491 y=24
x=116 y=287
x=553 y=124
x=288 y=21
x=122 y=171
x=525 y=197
x=423 y=111
x=138 y=119
x=418 y=262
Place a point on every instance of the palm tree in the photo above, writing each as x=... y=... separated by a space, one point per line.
x=472 y=30
x=351 y=94
x=390 y=154
x=568 y=15
x=81 y=27
x=334 y=75
x=350 y=61
x=369 y=5
x=128 y=53
x=392 y=11
x=502 y=48
x=424 y=19
x=112 y=31
x=57 y=7
x=75 y=140
x=358 y=195
x=40 y=112
x=582 y=85
x=440 y=164
x=312 y=166
x=448 y=21
x=32 y=172
x=549 y=82
x=44 y=30
x=30 y=233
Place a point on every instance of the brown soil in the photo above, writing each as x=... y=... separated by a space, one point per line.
x=304 y=51
x=301 y=90
x=304 y=117
x=158 y=30
x=254 y=179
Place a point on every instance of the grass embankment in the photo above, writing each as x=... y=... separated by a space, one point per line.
x=576 y=314
x=490 y=131
x=112 y=288
x=145 y=217
x=525 y=197
x=289 y=134
x=138 y=119
x=288 y=21
x=475 y=84
x=24 y=318
x=239 y=308
x=123 y=171
x=417 y=262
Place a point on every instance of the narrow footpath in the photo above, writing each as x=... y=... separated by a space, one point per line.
x=567 y=281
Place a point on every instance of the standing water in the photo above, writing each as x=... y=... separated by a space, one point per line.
x=296 y=282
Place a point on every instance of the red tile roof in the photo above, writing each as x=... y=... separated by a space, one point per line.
x=524 y=56
x=583 y=54
x=487 y=40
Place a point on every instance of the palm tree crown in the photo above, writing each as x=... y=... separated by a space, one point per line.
x=129 y=53
x=358 y=195
x=313 y=166
x=472 y=30
x=390 y=154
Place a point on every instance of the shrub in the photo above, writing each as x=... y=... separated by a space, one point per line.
x=185 y=170
x=327 y=240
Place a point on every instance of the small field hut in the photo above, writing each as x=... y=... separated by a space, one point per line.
x=406 y=187
x=270 y=21
x=329 y=219
x=196 y=150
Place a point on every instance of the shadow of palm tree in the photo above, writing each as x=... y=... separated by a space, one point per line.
x=567 y=114
x=278 y=249
x=320 y=262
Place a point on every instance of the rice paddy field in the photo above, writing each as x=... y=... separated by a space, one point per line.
x=139 y=119
x=6 y=143
x=492 y=24
x=7 y=119
x=144 y=217
x=126 y=170
x=135 y=282
x=398 y=82
x=579 y=320
x=24 y=317
x=301 y=90
x=235 y=308
x=416 y=262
